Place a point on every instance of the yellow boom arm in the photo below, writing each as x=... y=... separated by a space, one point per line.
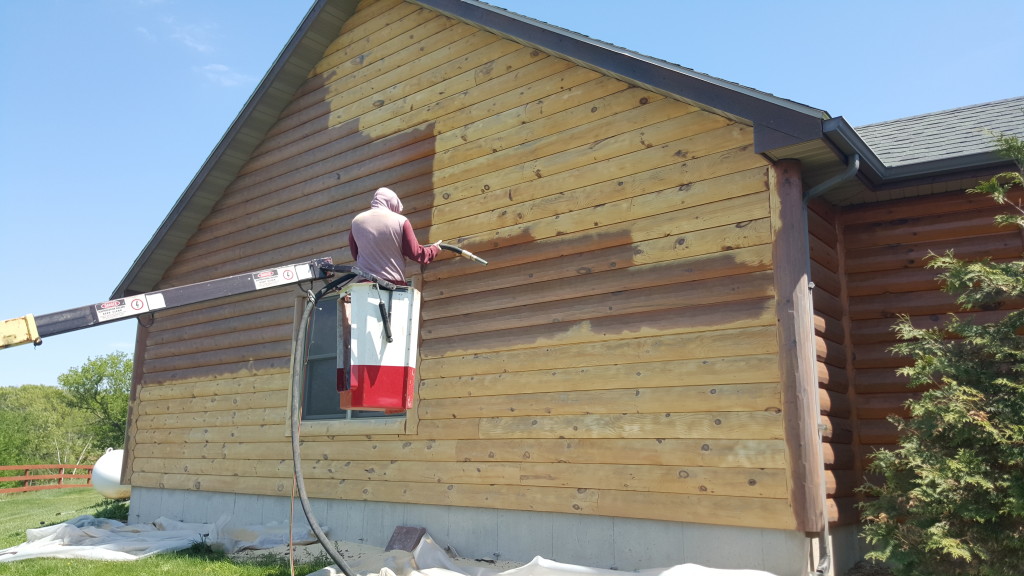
x=17 y=331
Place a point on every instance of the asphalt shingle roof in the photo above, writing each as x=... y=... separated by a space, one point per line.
x=946 y=134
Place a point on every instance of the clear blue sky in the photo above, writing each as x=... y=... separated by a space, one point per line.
x=108 y=108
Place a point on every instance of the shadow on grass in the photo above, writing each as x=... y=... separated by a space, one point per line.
x=112 y=509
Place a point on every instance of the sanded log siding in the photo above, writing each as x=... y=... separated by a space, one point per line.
x=617 y=357
x=886 y=248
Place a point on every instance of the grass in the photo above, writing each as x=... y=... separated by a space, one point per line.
x=19 y=512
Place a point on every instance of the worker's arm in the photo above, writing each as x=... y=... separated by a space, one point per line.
x=352 y=246
x=413 y=250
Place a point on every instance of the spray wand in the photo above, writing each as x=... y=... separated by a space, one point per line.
x=462 y=252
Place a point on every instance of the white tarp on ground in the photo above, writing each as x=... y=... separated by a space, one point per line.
x=429 y=559
x=91 y=538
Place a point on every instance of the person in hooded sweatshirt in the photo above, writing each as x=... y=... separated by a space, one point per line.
x=381 y=238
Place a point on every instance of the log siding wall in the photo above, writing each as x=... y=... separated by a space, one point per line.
x=832 y=350
x=886 y=248
x=618 y=357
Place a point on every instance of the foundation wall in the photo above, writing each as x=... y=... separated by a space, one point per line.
x=595 y=541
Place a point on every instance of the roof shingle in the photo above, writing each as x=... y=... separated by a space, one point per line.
x=946 y=134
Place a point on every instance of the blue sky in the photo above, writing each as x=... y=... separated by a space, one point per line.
x=108 y=108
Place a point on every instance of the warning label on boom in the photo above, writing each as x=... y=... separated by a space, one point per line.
x=121 y=308
x=274 y=277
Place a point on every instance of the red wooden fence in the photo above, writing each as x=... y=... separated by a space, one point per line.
x=34 y=473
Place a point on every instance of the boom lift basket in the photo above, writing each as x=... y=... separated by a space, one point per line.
x=377 y=347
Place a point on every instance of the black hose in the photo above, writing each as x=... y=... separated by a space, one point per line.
x=298 y=345
x=353 y=271
x=298 y=373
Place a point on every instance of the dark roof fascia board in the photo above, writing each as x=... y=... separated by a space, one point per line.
x=318 y=29
x=777 y=121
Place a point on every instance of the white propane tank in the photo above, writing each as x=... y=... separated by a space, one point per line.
x=106 y=475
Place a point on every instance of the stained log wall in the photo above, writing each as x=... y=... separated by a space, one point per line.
x=831 y=334
x=886 y=247
x=618 y=356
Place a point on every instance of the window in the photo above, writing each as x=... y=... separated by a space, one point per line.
x=320 y=399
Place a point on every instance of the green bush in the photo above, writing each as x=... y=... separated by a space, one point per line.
x=952 y=497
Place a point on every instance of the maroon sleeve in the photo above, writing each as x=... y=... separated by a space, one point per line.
x=352 y=246
x=413 y=250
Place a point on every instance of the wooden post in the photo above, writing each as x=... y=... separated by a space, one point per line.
x=795 y=321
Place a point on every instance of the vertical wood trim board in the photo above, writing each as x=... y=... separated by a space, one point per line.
x=796 y=349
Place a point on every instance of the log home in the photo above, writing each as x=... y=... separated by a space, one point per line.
x=637 y=378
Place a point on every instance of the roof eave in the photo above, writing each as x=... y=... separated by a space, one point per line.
x=777 y=121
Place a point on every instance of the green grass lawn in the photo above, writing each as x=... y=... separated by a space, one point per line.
x=19 y=512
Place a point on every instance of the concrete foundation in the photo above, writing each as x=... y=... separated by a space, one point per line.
x=596 y=541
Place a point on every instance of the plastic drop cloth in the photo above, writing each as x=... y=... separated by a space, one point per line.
x=429 y=559
x=90 y=538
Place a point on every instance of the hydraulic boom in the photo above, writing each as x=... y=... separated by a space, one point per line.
x=33 y=329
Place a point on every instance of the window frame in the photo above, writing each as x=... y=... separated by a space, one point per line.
x=344 y=424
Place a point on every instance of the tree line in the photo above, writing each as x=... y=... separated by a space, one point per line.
x=72 y=423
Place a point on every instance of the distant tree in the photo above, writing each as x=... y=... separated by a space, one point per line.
x=37 y=426
x=100 y=389
x=952 y=500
